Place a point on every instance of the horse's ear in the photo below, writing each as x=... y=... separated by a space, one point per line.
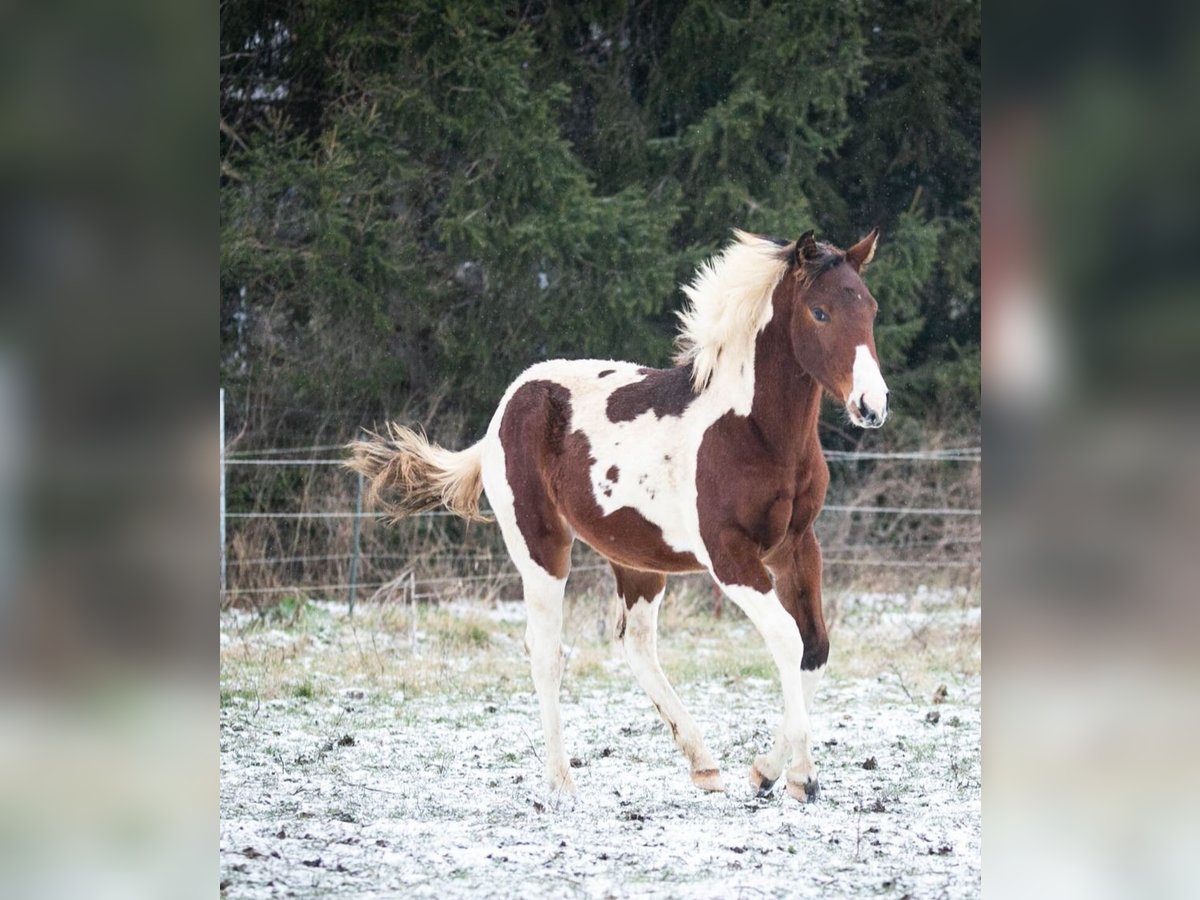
x=806 y=247
x=864 y=251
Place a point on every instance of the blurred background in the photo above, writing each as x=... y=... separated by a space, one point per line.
x=573 y=178
x=1091 y=324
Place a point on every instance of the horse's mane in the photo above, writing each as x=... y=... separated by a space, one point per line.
x=728 y=298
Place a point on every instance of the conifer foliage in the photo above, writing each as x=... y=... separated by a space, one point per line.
x=420 y=198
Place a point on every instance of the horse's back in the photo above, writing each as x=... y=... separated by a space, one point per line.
x=565 y=393
x=581 y=377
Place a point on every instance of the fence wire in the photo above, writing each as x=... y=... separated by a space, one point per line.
x=305 y=456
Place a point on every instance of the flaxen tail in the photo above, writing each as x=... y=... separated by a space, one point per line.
x=408 y=474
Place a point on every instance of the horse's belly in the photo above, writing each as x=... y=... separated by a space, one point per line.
x=625 y=536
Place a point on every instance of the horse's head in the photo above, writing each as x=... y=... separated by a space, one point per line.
x=832 y=314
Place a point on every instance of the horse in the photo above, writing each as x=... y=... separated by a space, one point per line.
x=713 y=465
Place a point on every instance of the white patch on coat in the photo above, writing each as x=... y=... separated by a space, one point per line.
x=543 y=640
x=810 y=680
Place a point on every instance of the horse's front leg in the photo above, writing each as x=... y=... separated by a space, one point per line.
x=797 y=569
x=748 y=584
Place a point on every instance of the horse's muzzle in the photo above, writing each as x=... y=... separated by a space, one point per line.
x=867 y=404
x=867 y=412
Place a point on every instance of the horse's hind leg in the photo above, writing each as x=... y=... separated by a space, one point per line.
x=539 y=543
x=642 y=593
x=544 y=592
x=543 y=639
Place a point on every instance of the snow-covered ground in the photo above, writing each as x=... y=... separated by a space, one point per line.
x=360 y=788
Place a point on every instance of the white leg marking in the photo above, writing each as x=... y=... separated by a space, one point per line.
x=810 y=680
x=641 y=649
x=543 y=638
x=770 y=764
x=782 y=638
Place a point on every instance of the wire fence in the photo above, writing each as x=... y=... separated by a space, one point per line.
x=408 y=585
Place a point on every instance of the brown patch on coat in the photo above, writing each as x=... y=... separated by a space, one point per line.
x=763 y=476
x=634 y=585
x=613 y=473
x=548 y=467
x=666 y=392
x=532 y=432
x=797 y=567
x=605 y=373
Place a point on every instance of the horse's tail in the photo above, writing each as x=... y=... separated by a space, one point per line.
x=408 y=474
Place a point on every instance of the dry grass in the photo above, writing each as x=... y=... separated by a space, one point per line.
x=300 y=648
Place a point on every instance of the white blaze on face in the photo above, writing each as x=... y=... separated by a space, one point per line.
x=867 y=403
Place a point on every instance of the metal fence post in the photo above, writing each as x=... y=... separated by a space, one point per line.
x=358 y=498
x=412 y=603
x=222 y=427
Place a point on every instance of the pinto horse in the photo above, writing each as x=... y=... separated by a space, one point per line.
x=713 y=465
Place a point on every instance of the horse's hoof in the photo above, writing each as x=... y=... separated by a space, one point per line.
x=760 y=782
x=708 y=780
x=806 y=792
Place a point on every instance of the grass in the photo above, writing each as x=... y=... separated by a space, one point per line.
x=465 y=633
x=464 y=650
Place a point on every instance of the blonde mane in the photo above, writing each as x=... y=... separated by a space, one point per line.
x=729 y=303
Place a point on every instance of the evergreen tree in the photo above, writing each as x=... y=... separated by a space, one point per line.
x=421 y=198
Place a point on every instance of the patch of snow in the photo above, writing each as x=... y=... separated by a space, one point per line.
x=441 y=796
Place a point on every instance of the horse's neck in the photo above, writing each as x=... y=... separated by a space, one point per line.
x=787 y=400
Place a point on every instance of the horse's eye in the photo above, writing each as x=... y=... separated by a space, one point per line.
x=819 y=314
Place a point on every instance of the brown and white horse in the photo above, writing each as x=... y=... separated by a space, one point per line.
x=713 y=465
